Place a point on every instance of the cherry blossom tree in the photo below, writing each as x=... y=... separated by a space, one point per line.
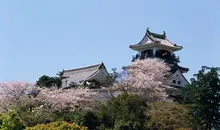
x=12 y=90
x=144 y=77
x=14 y=94
x=68 y=98
x=11 y=93
x=148 y=78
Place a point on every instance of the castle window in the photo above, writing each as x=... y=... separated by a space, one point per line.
x=179 y=82
x=174 y=81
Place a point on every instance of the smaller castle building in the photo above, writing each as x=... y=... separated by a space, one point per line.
x=85 y=75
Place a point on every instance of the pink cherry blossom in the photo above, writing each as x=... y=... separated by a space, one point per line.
x=148 y=78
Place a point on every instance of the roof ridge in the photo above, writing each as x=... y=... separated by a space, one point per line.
x=86 y=67
x=157 y=35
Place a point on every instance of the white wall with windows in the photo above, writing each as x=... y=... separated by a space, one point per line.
x=177 y=79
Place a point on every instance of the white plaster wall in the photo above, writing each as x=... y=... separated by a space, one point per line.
x=177 y=76
x=102 y=76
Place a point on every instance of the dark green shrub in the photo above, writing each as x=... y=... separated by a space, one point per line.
x=85 y=118
x=46 y=81
x=82 y=118
x=32 y=112
x=121 y=111
x=130 y=125
x=59 y=125
x=1 y=118
x=38 y=116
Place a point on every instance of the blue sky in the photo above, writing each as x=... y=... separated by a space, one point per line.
x=40 y=37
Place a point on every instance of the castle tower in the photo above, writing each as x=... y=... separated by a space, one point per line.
x=158 y=46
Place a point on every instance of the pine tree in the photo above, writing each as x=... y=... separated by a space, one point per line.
x=203 y=97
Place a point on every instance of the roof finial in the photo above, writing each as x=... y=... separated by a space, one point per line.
x=102 y=63
x=148 y=29
x=164 y=33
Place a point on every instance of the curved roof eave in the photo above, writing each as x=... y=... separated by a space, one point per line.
x=140 y=47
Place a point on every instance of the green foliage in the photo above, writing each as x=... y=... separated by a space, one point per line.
x=175 y=94
x=33 y=112
x=85 y=118
x=58 y=80
x=1 y=118
x=184 y=129
x=59 y=125
x=60 y=74
x=102 y=127
x=203 y=97
x=46 y=81
x=114 y=74
x=11 y=121
x=38 y=116
x=129 y=125
x=167 y=116
x=65 y=115
x=121 y=111
x=82 y=118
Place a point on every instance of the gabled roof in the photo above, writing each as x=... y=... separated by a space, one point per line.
x=91 y=67
x=151 y=39
x=79 y=75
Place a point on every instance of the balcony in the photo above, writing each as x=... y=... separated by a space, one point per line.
x=168 y=58
x=142 y=57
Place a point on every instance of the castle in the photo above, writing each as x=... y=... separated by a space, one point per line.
x=152 y=45
x=155 y=45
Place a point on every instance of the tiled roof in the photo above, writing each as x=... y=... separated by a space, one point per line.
x=79 y=75
x=175 y=67
x=151 y=38
x=96 y=66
